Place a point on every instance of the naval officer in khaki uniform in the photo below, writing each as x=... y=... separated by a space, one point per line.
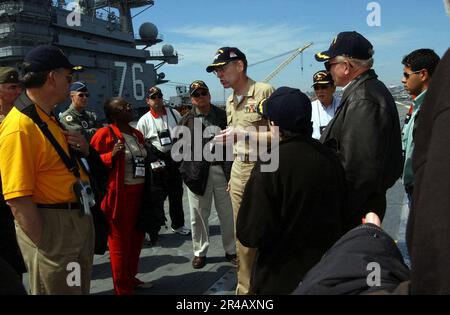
x=230 y=66
x=76 y=117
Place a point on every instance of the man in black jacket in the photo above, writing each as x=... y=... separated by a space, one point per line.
x=205 y=177
x=365 y=131
x=293 y=215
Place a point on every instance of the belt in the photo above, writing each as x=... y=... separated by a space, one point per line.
x=67 y=205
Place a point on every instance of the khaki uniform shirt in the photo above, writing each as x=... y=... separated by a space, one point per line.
x=244 y=114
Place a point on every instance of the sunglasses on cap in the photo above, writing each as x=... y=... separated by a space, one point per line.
x=198 y=94
x=155 y=96
x=83 y=94
x=321 y=87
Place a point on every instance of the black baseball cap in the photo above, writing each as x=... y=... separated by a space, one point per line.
x=347 y=44
x=154 y=90
x=196 y=85
x=225 y=55
x=322 y=77
x=288 y=108
x=48 y=57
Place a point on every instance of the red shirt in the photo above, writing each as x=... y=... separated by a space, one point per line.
x=103 y=141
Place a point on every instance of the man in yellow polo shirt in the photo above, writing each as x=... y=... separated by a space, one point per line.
x=57 y=242
x=230 y=66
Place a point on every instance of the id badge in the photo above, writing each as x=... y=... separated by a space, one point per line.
x=139 y=167
x=164 y=137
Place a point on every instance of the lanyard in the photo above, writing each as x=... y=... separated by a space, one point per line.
x=129 y=148
x=165 y=124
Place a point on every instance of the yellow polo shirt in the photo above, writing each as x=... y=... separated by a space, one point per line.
x=29 y=164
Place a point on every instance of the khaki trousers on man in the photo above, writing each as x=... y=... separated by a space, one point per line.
x=201 y=209
x=62 y=264
x=240 y=173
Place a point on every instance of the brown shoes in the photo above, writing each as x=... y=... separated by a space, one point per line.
x=198 y=262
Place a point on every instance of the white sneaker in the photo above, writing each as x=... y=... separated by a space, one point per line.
x=182 y=230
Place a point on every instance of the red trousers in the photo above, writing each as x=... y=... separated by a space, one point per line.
x=125 y=241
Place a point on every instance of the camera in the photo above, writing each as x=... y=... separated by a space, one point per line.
x=85 y=195
x=158 y=165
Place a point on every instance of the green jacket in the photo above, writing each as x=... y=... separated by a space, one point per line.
x=408 y=141
x=86 y=121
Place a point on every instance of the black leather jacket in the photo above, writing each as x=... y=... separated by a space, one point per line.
x=195 y=173
x=365 y=133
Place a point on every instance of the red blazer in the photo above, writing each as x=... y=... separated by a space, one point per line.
x=103 y=141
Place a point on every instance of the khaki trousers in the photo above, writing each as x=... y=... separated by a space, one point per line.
x=63 y=263
x=200 y=207
x=240 y=173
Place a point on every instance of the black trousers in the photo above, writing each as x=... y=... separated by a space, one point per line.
x=168 y=183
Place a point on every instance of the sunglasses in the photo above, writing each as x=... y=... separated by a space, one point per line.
x=155 y=96
x=328 y=65
x=124 y=107
x=83 y=94
x=321 y=87
x=406 y=75
x=198 y=94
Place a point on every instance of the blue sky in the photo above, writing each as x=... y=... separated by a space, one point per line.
x=266 y=28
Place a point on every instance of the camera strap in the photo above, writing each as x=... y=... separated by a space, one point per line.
x=68 y=160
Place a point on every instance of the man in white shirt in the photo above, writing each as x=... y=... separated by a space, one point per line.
x=157 y=127
x=326 y=105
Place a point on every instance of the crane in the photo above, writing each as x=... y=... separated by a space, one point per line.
x=278 y=69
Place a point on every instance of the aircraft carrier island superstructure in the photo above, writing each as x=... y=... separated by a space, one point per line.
x=97 y=35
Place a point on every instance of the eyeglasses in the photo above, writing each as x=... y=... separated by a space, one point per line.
x=222 y=68
x=328 y=65
x=83 y=95
x=202 y=93
x=321 y=87
x=406 y=75
x=155 y=96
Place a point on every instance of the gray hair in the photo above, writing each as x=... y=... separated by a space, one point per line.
x=357 y=63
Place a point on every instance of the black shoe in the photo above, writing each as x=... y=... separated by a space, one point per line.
x=232 y=258
x=198 y=262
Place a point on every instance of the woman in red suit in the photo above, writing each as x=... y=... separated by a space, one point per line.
x=121 y=148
